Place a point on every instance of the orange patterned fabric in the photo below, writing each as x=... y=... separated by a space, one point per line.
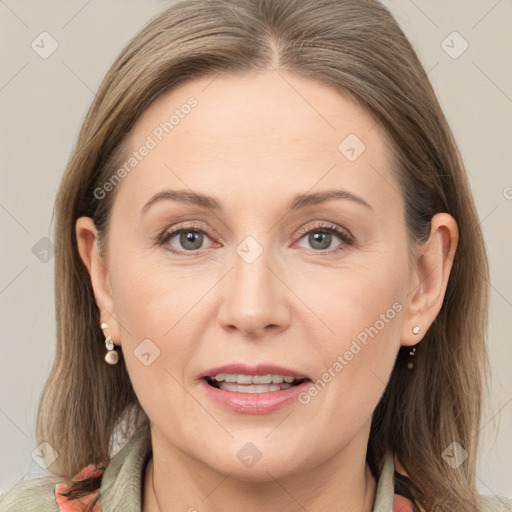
x=80 y=504
x=400 y=504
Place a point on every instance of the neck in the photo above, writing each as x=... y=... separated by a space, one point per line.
x=172 y=486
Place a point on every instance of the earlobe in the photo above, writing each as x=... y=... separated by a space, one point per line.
x=87 y=240
x=434 y=262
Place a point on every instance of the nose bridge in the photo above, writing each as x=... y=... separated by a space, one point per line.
x=252 y=276
x=254 y=296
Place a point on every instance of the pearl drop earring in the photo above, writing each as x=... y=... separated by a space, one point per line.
x=111 y=357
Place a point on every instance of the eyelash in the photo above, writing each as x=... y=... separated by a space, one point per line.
x=342 y=234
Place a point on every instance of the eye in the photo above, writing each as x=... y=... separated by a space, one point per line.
x=320 y=237
x=188 y=238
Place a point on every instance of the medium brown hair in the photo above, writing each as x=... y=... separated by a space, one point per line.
x=358 y=48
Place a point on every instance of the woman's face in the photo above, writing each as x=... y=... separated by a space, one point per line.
x=261 y=279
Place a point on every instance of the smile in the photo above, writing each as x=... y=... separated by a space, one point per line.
x=241 y=383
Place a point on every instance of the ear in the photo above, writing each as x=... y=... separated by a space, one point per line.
x=429 y=279
x=87 y=240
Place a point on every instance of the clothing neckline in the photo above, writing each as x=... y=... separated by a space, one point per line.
x=123 y=480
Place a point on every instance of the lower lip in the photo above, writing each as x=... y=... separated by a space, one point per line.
x=254 y=403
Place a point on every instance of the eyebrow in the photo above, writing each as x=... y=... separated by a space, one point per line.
x=299 y=202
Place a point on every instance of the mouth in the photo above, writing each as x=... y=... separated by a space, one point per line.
x=243 y=383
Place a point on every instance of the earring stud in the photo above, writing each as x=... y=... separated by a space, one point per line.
x=416 y=330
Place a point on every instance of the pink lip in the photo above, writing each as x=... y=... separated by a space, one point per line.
x=260 y=369
x=254 y=403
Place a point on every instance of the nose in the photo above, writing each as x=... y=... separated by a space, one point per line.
x=255 y=300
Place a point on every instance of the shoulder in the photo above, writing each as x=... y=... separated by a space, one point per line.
x=492 y=503
x=44 y=495
x=122 y=485
x=30 y=496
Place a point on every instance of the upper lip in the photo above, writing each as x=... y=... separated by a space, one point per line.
x=259 y=369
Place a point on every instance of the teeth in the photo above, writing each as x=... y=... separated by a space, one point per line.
x=261 y=379
x=252 y=388
x=253 y=383
x=253 y=379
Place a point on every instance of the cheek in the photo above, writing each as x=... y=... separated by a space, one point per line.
x=364 y=292
x=150 y=297
x=364 y=310
x=366 y=319
x=156 y=311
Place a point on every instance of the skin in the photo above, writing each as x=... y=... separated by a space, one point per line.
x=253 y=142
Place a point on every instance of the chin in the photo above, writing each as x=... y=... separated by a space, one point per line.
x=258 y=461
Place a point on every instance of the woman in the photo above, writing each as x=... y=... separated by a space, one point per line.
x=270 y=276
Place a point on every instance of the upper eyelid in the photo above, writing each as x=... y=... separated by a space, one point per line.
x=187 y=225
x=174 y=230
x=323 y=225
x=199 y=227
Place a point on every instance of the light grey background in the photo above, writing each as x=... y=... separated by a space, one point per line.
x=43 y=103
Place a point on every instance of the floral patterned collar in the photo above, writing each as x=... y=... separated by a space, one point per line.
x=81 y=504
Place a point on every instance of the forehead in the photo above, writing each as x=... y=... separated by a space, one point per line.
x=249 y=136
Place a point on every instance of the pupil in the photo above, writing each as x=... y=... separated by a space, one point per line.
x=317 y=237
x=191 y=236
